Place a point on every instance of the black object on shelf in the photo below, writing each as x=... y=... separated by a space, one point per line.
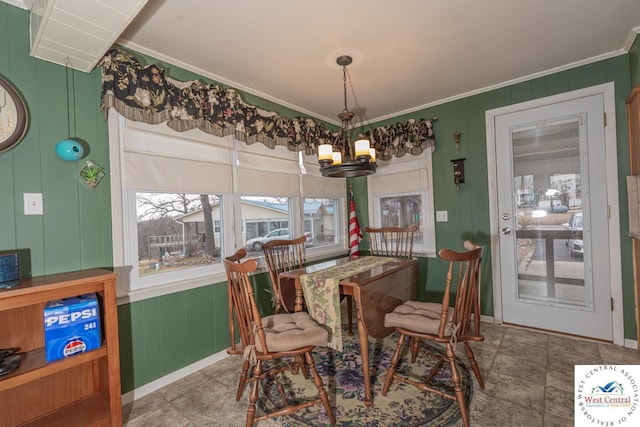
x=9 y=360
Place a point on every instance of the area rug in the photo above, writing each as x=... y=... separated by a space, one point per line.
x=341 y=372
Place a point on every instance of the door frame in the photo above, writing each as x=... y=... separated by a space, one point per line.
x=608 y=92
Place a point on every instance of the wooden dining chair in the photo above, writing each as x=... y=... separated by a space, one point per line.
x=280 y=256
x=391 y=241
x=394 y=242
x=287 y=336
x=443 y=324
x=237 y=349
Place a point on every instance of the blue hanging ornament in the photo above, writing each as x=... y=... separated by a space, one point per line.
x=69 y=150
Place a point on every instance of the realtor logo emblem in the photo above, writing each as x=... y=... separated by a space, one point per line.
x=607 y=395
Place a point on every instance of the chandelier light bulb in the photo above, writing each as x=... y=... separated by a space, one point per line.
x=324 y=152
x=336 y=157
x=362 y=147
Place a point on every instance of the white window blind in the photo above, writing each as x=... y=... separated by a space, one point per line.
x=261 y=171
x=315 y=185
x=157 y=162
x=403 y=175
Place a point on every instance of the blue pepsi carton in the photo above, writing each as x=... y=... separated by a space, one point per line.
x=71 y=326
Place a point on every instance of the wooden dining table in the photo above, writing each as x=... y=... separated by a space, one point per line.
x=376 y=292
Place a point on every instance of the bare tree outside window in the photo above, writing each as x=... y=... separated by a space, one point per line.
x=176 y=231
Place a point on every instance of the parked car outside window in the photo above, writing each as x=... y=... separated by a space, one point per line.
x=256 y=243
x=575 y=245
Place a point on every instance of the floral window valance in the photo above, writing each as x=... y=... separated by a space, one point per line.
x=145 y=94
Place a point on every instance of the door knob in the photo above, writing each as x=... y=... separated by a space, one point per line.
x=506 y=230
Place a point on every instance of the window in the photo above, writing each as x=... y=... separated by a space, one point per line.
x=170 y=239
x=400 y=195
x=175 y=232
x=320 y=222
x=164 y=242
x=401 y=211
x=264 y=218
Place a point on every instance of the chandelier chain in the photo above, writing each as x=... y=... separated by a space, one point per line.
x=348 y=161
x=344 y=80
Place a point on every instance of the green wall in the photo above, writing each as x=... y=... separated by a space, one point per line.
x=634 y=63
x=468 y=209
x=75 y=231
x=160 y=335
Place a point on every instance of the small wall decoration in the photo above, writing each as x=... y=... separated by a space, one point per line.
x=14 y=119
x=69 y=150
x=458 y=172
x=92 y=173
x=456 y=139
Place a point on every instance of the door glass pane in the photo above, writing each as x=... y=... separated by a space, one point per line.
x=548 y=197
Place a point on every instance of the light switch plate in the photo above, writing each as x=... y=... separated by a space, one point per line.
x=441 y=216
x=33 y=204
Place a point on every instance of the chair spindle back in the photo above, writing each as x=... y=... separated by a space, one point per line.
x=463 y=279
x=241 y=297
x=391 y=241
x=281 y=256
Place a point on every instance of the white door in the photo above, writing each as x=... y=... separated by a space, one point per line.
x=553 y=218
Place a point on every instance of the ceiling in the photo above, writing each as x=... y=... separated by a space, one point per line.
x=408 y=54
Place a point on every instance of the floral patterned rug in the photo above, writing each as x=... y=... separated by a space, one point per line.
x=341 y=372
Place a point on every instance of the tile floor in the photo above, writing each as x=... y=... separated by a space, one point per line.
x=528 y=382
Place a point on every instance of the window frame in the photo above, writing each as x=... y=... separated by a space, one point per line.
x=123 y=207
x=144 y=282
x=396 y=173
x=321 y=252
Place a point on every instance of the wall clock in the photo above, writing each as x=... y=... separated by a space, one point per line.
x=13 y=116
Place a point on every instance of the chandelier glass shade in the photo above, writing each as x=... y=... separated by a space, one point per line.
x=359 y=159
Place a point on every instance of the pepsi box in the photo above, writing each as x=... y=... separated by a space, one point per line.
x=71 y=326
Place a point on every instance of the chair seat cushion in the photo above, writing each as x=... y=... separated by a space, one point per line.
x=423 y=317
x=289 y=331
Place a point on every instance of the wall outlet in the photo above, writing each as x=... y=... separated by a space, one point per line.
x=33 y=203
x=441 y=216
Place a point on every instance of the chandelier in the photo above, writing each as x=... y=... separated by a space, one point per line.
x=359 y=159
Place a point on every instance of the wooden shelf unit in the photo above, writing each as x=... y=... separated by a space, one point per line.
x=82 y=390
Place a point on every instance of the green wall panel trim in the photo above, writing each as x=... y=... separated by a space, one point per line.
x=521 y=92
x=136 y=345
x=149 y=336
x=200 y=316
x=220 y=323
x=634 y=62
x=173 y=351
x=556 y=83
x=423 y=283
x=125 y=338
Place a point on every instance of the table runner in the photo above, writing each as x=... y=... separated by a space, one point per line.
x=322 y=293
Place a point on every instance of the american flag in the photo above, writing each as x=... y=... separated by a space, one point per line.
x=354 y=228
